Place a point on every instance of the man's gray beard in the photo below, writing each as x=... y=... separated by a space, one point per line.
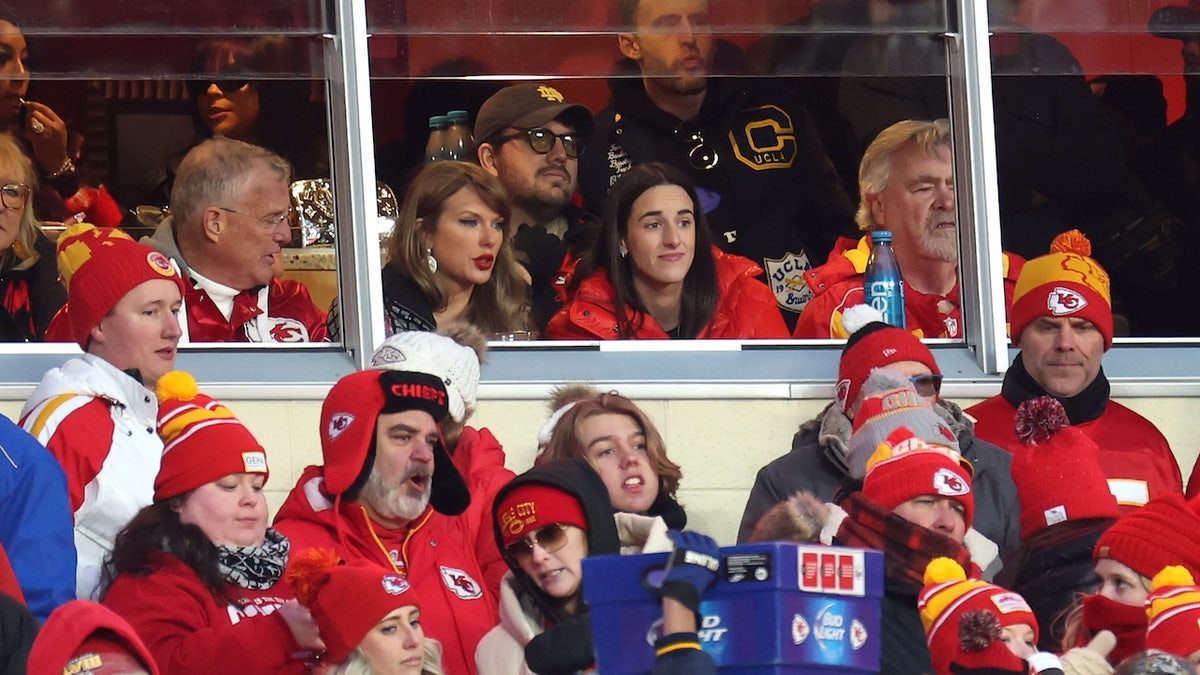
x=940 y=247
x=391 y=501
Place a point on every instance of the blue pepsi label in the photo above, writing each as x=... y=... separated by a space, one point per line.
x=887 y=296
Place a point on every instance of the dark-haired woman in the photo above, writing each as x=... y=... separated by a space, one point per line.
x=198 y=573
x=654 y=272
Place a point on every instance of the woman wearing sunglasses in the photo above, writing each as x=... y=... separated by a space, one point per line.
x=655 y=274
x=547 y=520
x=450 y=255
x=30 y=293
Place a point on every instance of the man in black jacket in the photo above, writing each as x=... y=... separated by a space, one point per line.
x=767 y=188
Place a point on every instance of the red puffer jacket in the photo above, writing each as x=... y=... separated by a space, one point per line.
x=746 y=308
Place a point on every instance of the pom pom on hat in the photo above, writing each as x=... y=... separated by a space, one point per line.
x=1066 y=282
x=891 y=402
x=963 y=619
x=1173 y=610
x=202 y=440
x=346 y=601
x=107 y=264
x=874 y=344
x=1057 y=470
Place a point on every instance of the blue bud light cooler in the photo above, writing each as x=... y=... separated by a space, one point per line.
x=776 y=608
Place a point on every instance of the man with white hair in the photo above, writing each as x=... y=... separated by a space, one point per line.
x=906 y=180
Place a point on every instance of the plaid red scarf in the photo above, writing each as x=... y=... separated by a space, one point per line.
x=907 y=547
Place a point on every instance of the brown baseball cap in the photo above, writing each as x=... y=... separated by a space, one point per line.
x=526 y=106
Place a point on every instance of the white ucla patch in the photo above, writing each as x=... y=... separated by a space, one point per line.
x=338 y=423
x=950 y=484
x=282 y=329
x=1063 y=301
x=254 y=462
x=785 y=276
x=460 y=583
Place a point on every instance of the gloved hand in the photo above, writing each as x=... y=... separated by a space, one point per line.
x=564 y=648
x=1092 y=659
x=691 y=569
x=541 y=252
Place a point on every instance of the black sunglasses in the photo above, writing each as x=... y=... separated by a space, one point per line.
x=541 y=140
x=927 y=385
x=550 y=538
x=701 y=155
x=197 y=87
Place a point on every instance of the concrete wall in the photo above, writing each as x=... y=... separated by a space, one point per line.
x=719 y=444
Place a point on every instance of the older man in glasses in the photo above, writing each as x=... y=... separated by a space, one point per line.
x=529 y=137
x=820 y=460
x=906 y=179
x=767 y=188
x=230 y=219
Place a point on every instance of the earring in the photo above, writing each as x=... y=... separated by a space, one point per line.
x=430 y=260
x=624 y=251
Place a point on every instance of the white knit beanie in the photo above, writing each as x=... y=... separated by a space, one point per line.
x=457 y=365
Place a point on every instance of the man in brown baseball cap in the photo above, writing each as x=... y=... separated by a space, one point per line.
x=529 y=137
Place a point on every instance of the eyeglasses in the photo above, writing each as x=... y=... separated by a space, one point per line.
x=927 y=385
x=197 y=87
x=13 y=195
x=541 y=140
x=270 y=221
x=550 y=538
x=701 y=156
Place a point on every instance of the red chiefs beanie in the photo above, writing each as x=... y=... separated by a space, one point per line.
x=202 y=440
x=107 y=264
x=1063 y=283
x=533 y=506
x=873 y=344
x=348 y=418
x=958 y=612
x=1164 y=532
x=1057 y=470
x=1173 y=609
x=905 y=467
x=86 y=637
x=346 y=601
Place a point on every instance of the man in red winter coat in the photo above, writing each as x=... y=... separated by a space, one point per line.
x=390 y=493
x=906 y=179
x=1062 y=320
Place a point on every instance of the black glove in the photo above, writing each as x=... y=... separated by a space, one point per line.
x=564 y=648
x=691 y=570
x=541 y=252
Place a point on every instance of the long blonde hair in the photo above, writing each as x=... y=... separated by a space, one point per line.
x=21 y=255
x=500 y=305
x=431 y=661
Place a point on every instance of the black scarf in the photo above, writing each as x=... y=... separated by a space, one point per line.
x=1089 y=404
x=254 y=567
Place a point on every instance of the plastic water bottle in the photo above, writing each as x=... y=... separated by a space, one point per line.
x=457 y=141
x=434 y=147
x=884 y=287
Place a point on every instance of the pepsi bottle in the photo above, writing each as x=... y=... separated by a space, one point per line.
x=883 y=287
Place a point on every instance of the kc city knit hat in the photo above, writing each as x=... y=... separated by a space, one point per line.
x=526 y=106
x=1057 y=471
x=202 y=440
x=346 y=601
x=873 y=344
x=107 y=264
x=533 y=506
x=1065 y=282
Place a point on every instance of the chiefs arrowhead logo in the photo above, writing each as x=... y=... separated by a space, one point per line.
x=1063 y=301
x=949 y=484
x=338 y=423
